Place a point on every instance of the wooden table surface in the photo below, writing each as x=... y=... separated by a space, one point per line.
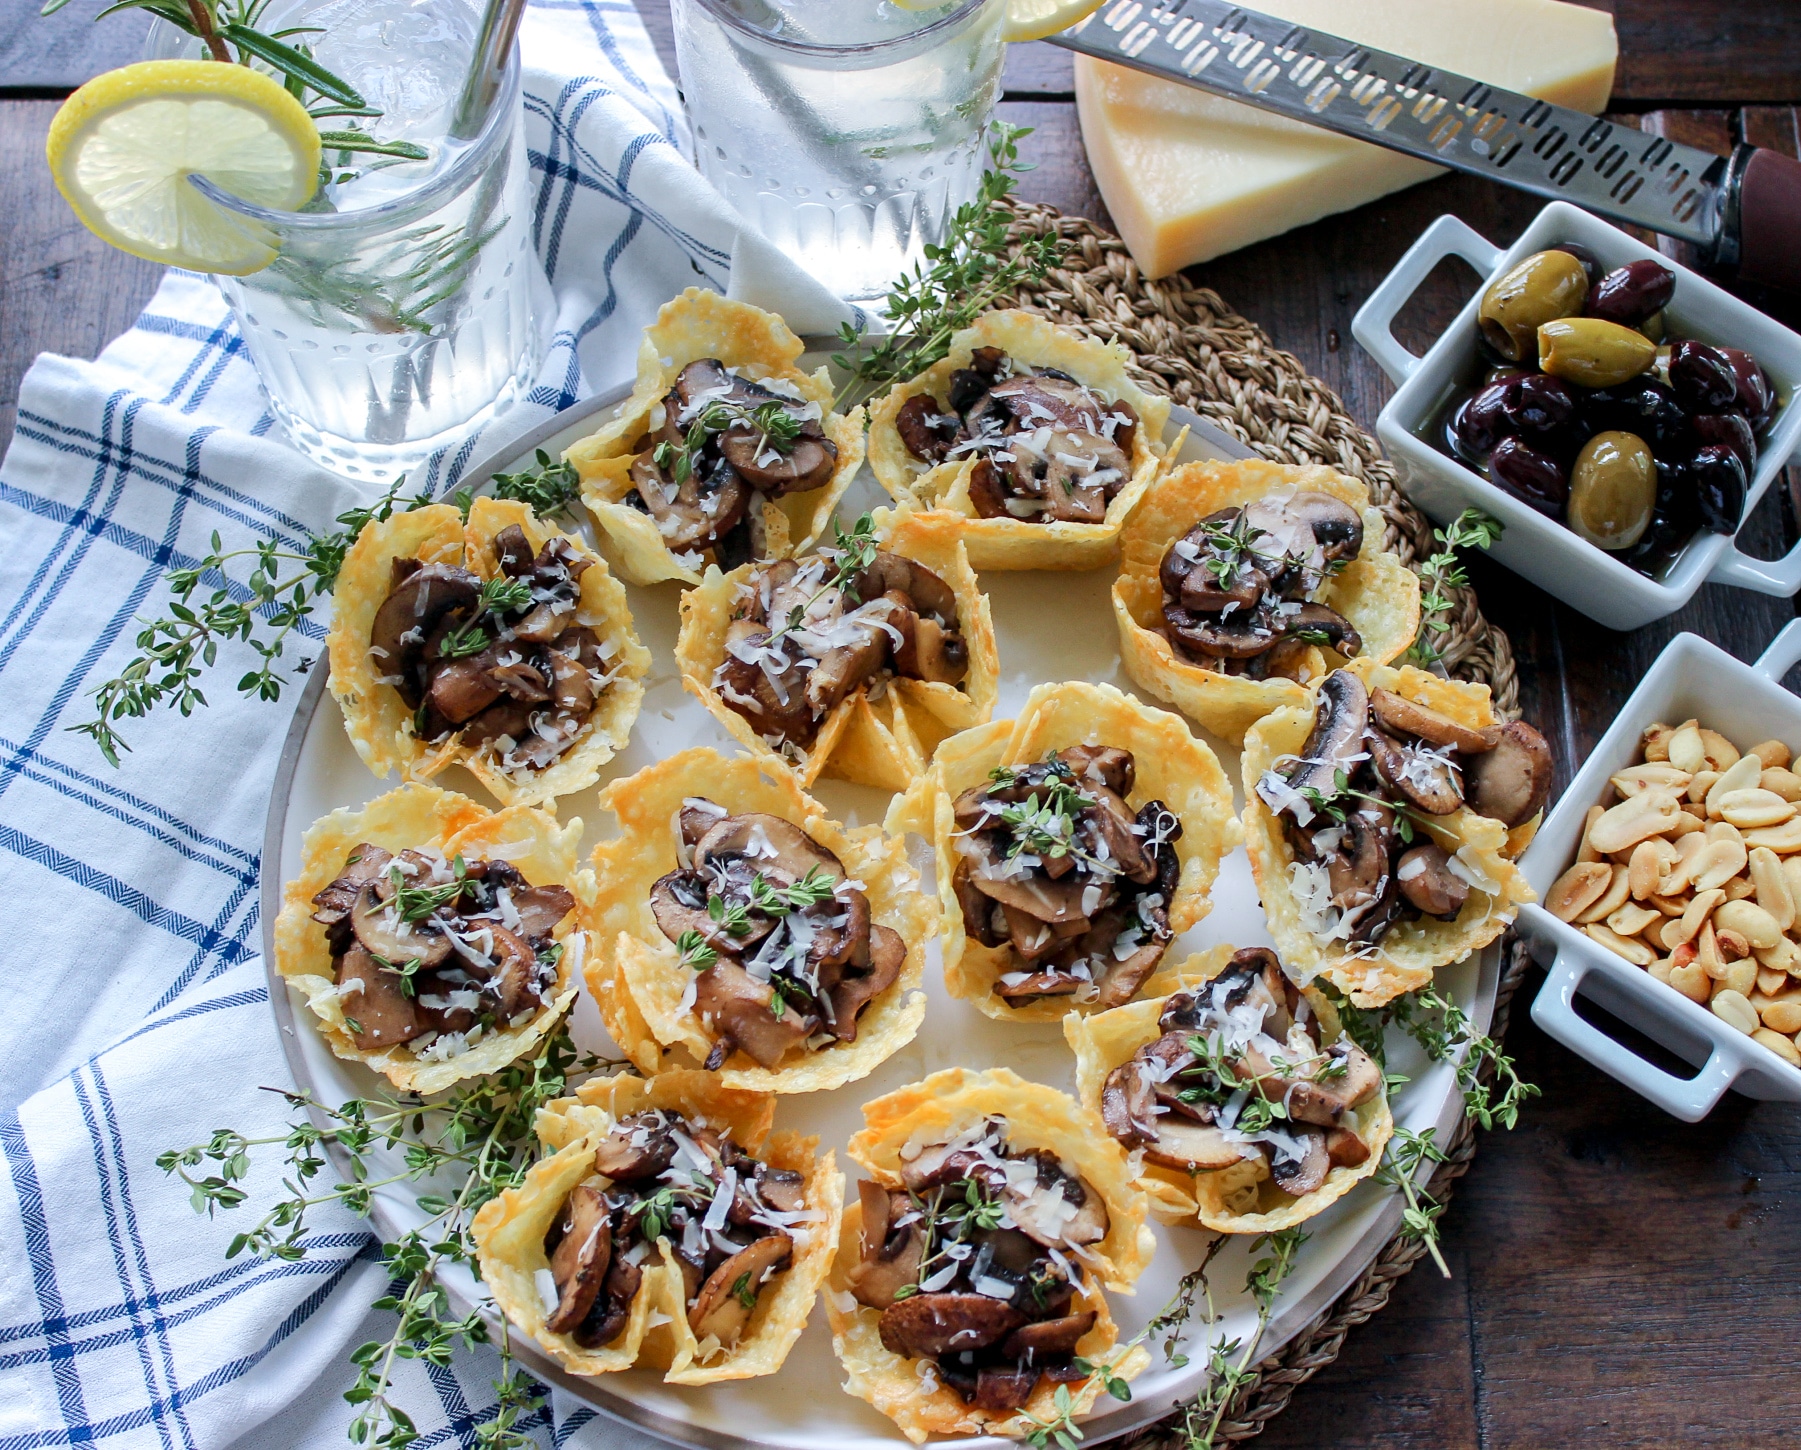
x=1618 y=1278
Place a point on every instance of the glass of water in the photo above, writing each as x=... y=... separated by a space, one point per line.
x=846 y=131
x=406 y=305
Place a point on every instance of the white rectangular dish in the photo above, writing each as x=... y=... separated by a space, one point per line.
x=1691 y=679
x=803 y=1407
x=1536 y=547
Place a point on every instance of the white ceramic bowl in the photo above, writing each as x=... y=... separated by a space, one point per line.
x=1746 y=704
x=1539 y=548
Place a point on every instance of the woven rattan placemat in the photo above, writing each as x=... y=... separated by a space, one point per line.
x=1187 y=343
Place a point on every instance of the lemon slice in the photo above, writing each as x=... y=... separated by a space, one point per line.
x=1035 y=19
x=123 y=147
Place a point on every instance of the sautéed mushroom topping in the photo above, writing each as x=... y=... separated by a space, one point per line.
x=437 y=954
x=1054 y=864
x=784 y=950
x=1047 y=448
x=975 y=1262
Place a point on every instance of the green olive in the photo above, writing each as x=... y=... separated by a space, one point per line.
x=1546 y=286
x=1593 y=353
x=1613 y=487
x=1652 y=326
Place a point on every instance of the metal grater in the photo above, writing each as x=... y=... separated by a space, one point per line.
x=1436 y=115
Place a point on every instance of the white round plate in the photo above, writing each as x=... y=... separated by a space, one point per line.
x=1050 y=626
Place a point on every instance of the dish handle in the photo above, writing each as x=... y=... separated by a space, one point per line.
x=1783 y=653
x=1781 y=577
x=1554 y=1010
x=1373 y=326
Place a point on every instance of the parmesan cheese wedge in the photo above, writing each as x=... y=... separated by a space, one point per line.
x=1188 y=175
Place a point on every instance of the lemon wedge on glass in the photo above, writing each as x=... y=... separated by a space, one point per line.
x=1026 y=19
x=123 y=147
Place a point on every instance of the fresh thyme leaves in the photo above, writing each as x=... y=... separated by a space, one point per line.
x=470 y=639
x=1060 y=1429
x=1230 y=1363
x=959 y=279
x=1407 y=1154
x=695 y=951
x=850 y=555
x=501 y=595
x=776 y=426
x=415 y=903
x=547 y=488
x=1483 y=1068
x=407 y=971
x=1235 y=547
x=482 y=1133
x=175 y=651
x=1409 y=819
x=743 y=1292
x=653 y=1218
x=950 y=1218
x=1441 y=572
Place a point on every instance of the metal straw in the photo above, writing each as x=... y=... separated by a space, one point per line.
x=487 y=67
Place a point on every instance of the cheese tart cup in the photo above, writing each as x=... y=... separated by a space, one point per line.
x=702 y=324
x=380 y=723
x=1405 y=959
x=935 y=1110
x=1171 y=766
x=510 y=1231
x=423 y=817
x=1006 y=543
x=883 y=738
x=1241 y=1199
x=1375 y=591
x=636 y=974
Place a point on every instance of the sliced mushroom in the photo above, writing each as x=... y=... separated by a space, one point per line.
x=804 y=465
x=383 y=934
x=610 y=1312
x=739 y=1009
x=1046 y=1337
x=1234 y=636
x=978 y=909
x=986 y=495
x=891 y=1255
x=923 y=1326
x=779 y=849
x=1358 y=871
x=1035 y=940
x=1316 y=619
x=1128 y=1105
x=505 y=719
x=512 y=981
x=364 y=862
x=1105 y=765
x=776 y=706
x=719 y=1310
x=695 y=512
x=1112 y=821
x=679 y=903
x=968 y=386
x=926 y=431
x=1056 y=1208
x=513 y=552
x=1512 y=782
x=638 y=1146
x=1338 y=729
x=890 y=572
x=932 y=653
x=1426 y=880
x=1300 y=1176
x=1001 y=1389
x=1351 y=1079
x=409 y=614
x=1194 y=1147
x=781 y=1189
x=583 y=1254
x=1428 y=780
x=1400 y=716
x=1046 y=901
x=381 y=1014
x=848 y=666
x=1344 y=1149
x=541 y=910
x=887 y=954
x=1327 y=521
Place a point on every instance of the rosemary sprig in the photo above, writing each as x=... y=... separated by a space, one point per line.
x=1441 y=572
x=958 y=280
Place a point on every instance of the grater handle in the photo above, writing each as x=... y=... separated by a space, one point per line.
x=1769 y=221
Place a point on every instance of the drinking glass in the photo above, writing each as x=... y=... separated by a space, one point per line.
x=846 y=131
x=405 y=306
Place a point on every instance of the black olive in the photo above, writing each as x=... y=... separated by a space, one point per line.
x=1643 y=406
x=1718 y=479
x=1480 y=421
x=1674 y=519
x=1591 y=264
x=1756 y=393
x=1543 y=411
x=1532 y=477
x=1701 y=377
x=1629 y=295
x=1730 y=429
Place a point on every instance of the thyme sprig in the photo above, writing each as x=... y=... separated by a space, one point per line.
x=1230 y=1362
x=775 y=426
x=1492 y=1087
x=547 y=488
x=849 y=555
x=1442 y=572
x=951 y=1216
x=959 y=279
x=1406 y=1156
x=1409 y=819
x=482 y=1132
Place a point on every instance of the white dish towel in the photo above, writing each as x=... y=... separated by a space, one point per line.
x=135 y=1015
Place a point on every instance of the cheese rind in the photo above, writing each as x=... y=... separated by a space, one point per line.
x=1188 y=175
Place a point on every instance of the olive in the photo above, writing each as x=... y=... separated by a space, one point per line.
x=1480 y=422
x=1502 y=374
x=1701 y=377
x=1652 y=327
x=1543 y=410
x=1630 y=295
x=1660 y=368
x=1591 y=264
x=1613 y=489
x=1730 y=429
x=1718 y=479
x=1643 y=406
x=1756 y=393
x=1593 y=353
x=1531 y=476
x=1545 y=286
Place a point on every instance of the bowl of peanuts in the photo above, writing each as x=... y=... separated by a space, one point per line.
x=1669 y=881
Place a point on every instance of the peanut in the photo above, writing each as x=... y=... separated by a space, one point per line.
x=1578 y=889
x=1722 y=858
x=1721 y=753
x=1684 y=749
x=1637 y=778
x=1743 y=776
x=1692 y=981
x=1651 y=860
x=1633 y=951
x=1655 y=742
x=1770 y=982
x=1750 y=921
x=1791 y=873
x=1689 y=849
x=1735 y=1010
x=1753 y=807
x=1773 y=893
x=1784 y=957
x=1631 y=821
x=1707 y=949
x=1784 y=840
x=1660 y=969
x=1610 y=900
x=1669 y=905
x=1739 y=977
x=1779 y=1045
x=1783 y=781
x=1733 y=946
x=1588 y=852
x=1773 y=753
x=1631 y=919
x=1699 y=784
x=1694 y=918
x=1685 y=823
x=1738 y=888
x=1783 y=1015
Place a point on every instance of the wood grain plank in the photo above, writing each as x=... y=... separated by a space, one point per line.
x=56 y=53
x=62 y=289
x=1707 y=52
x=1060 y=174
x=1773 y=126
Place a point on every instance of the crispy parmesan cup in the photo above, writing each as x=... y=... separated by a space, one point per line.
x=1407 y=956
x=422 y=817
x=882 y=738
x=1243 y=1198
x=382 y=727
x=637 y=974
x=1009 y=543
x=701 y=324
x=1375 y=591
x=510 y=1234
x=1171 y=766
x=934 y=1111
